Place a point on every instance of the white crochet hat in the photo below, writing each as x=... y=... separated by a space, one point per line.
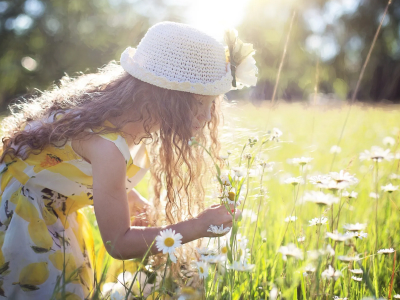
x=179 y=57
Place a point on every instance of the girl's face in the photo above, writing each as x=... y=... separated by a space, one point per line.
x=204 y=104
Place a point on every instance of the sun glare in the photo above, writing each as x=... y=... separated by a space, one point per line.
x=214 y=16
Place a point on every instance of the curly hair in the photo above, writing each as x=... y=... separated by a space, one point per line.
x=87 y=101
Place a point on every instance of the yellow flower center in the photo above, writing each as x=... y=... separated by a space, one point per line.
x=224 y=250
x=169 y=242
x=232 y=196
x=201 y=269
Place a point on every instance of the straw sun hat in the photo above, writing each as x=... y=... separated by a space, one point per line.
x=180 y=57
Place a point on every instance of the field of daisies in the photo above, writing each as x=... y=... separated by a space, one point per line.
x=319 y=191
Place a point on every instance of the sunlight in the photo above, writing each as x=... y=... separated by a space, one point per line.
x=214 y=16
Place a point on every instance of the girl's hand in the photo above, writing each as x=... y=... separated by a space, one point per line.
x=139 y=209
x=215 y=215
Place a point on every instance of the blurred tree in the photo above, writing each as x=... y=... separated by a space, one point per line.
x=336 y=36
x=41 y=40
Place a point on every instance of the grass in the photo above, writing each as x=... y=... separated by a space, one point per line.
x=308 y=132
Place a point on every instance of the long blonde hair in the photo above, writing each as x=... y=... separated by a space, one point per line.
x=88 y=100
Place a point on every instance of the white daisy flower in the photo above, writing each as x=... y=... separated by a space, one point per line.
x=330 y=273
x=374 y=195
x=334 y=185
x=351 y=195
x=320 y=198
x=309 y=269
x=397 y=296
x=290 y=219
x=318 y=221
x=348 y=258
x=275 y=134
x=386 y=251
x=355 y=227
x=225 y=179
x=294 y=180
x=225 y=157
x=390 y=188
x=241 y=266
x=389 y=141
x=319 y=180
x=343 y=176
x=376 y=154
x=338 y=236
x=339 y=298
x=291 y=250
x=301 y=239
x=218 y=230
x=239 y=172
x=301 y=161
x=168 y=241
x=202 y=267
x=359 y=234
x=213 y=259
x=356 y=271
x=394 y=176
x=207 y=251
x=359 y=279
x=335 y=149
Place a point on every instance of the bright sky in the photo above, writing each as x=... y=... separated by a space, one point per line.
x=214 y=16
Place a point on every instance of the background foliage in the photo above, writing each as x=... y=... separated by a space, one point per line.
x=40 y=40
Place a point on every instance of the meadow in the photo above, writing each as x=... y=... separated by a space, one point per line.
x=315 y=217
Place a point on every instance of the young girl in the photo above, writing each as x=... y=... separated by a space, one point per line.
x=82 y=144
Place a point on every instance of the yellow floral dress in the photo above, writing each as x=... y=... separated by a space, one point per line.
x=43 y=233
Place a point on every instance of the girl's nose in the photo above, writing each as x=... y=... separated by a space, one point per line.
x=206 y=115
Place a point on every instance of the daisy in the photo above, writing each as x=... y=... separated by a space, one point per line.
x=338 y=236
x=374 y=195
x=355 y=227
x=320 y=198
x=389 y=141
x=339 y=298
x=343 y=176
x=202 y=267
x=290 y=250
x=359 y=234
x=290 y=219
x=377 y=154
x=241 y=266
x=218 y=230
x=309 y=269
x=239 y=172
x=301 y=161
x=335 y=149
x=168 y=241
x=356 y=271
x=213 y=259
x=348 y=258
x=275 y=134
x=318 y=221
x=330 y=273
x=386 y=251
x=334 y=185
x=294 y=180
x=206 y=251
x=397 y=296
x=359 y=279
x=394 y=176
x=301 y=239
x=319 y=180
x=351 y=195
x=390 y=188
x=225 y=179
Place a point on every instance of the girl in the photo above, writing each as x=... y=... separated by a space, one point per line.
x=82 y=144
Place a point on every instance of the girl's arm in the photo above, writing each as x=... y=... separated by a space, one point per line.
x=112 y=210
